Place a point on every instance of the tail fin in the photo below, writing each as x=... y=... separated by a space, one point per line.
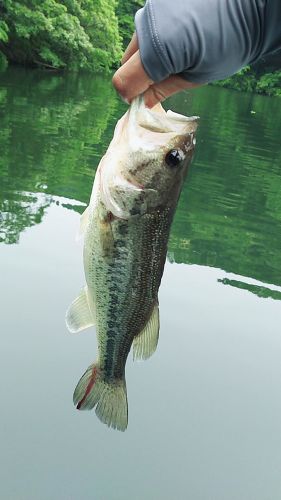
x=109 y=398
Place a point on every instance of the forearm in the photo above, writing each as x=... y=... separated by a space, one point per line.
x=204 y=41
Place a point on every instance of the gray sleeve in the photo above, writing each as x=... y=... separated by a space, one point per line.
x=206 y=40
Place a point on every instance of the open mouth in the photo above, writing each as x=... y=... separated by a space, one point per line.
x=159 y=120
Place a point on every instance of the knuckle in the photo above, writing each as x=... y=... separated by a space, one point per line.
x=119 y=84
x=159 y=94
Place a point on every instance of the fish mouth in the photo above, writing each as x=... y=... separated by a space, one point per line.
x=143 y=131
x=158 y=120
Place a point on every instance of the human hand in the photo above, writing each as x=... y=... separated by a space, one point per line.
x=182 y=44
x=131 y=79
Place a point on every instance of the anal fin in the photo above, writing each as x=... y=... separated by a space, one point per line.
x=145 y=343
x=79 y=316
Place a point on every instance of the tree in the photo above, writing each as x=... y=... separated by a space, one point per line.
x=125 y=11
x=60 y=34
x=261 y=79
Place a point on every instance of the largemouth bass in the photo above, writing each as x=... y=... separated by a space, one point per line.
x=126 y=227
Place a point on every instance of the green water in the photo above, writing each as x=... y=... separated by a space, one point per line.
x=204 y=411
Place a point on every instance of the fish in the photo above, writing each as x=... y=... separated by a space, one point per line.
x=126 y=229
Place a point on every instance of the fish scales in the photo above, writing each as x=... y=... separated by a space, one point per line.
x=131 y=274
x=126 y=227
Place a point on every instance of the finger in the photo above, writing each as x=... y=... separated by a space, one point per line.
x=131 y=80
x=131 y=49
x=158 y=92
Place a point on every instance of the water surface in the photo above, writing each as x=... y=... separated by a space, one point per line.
x=204 y=411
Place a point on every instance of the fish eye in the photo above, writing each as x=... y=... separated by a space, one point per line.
x=174 y=157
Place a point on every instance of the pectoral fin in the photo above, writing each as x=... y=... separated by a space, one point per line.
x=79 y=316
x=145 y=343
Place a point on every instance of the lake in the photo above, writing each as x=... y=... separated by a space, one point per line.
x=204 y=410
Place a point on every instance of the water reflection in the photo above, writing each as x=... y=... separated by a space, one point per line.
x=51 y=137
x=212 y=387
x=54 y=129
x=260 y=291
x=19 y=211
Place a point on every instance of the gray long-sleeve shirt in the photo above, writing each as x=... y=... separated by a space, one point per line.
x=205 y=40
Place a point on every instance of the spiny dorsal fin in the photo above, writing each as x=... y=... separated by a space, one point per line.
x=145 y=343
x=79 y=316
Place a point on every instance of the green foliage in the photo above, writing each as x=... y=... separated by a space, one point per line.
x=70 y=33
x=125 y=11
x=250 y=80
x=270 y=84
x=89 y=34
x=3 y=62
x=3 y=31
x=4 y=36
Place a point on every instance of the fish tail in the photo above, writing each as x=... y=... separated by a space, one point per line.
x=109 y=398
